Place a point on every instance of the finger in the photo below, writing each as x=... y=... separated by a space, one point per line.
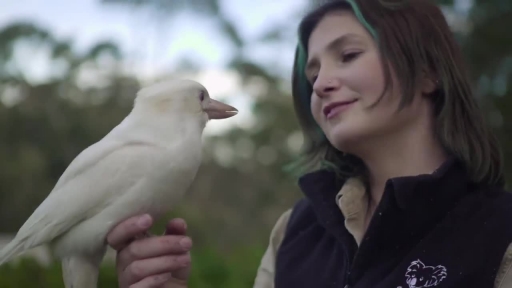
x=176 y=226
x=154 y=247
x=143 y=235
x=127 y=230
x=141 y=269
x=182 y=274
x=153 y=281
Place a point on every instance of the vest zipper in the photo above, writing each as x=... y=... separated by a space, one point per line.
x=347 y=269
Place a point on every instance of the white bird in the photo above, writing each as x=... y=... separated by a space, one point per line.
x=144 y=165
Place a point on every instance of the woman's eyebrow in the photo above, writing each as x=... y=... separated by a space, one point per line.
x=332 y=46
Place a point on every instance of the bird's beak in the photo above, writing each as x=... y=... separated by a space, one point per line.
x=218 y=110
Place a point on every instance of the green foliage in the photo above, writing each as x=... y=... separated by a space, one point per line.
x=28 y=273
x=210 y=269
x=445 y=2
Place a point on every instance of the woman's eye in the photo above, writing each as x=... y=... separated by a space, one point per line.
x=347 y=57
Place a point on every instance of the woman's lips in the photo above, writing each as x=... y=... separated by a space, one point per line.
x=335 y=108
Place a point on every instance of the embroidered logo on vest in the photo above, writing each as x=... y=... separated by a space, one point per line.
x=419 y=276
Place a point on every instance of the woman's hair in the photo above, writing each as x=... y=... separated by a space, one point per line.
x=413 y=39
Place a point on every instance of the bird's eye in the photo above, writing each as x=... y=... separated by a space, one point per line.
x=201 y=96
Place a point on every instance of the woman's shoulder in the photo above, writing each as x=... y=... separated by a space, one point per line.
x=499 y=198
x=301 y=212
x=501 y=202
x=491 y=206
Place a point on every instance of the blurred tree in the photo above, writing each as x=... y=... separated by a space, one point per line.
x=45 y=125
x=488 y=49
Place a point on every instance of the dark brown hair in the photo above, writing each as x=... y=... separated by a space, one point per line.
x=413 y=37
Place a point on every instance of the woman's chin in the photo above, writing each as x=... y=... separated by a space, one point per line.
x=347 y=140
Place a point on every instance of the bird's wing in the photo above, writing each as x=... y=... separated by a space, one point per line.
x=88 y=158
x=100 y=173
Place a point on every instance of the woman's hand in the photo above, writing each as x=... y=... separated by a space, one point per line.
x=155 y=261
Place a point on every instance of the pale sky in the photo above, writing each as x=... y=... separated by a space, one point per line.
x=157 y=41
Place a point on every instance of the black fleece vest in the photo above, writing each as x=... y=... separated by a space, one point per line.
x=436 y=230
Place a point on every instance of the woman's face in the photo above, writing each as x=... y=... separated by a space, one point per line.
x=345 y=70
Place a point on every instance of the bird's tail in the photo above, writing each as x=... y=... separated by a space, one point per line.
x=80 y=272
x=11 y=250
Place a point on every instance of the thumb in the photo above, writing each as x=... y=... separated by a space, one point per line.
x=176 y=226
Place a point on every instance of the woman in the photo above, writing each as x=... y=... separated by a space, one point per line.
x=413 y=193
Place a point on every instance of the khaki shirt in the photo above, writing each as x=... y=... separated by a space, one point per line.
x=353 y=205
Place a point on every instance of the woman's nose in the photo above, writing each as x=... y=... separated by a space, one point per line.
x=324 y=86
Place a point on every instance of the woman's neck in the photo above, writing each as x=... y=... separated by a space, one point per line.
x=410 y=155
x=413 y=155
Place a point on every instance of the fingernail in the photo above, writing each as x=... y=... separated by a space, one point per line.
x=186 y=243
x=144 y=221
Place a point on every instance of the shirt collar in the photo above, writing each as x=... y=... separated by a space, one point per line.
x=320 y=188
x=444 y=185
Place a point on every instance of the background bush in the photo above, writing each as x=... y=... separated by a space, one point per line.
x=210 y=269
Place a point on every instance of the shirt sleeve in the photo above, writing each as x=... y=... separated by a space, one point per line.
x=265 y=273
x=504 y=276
